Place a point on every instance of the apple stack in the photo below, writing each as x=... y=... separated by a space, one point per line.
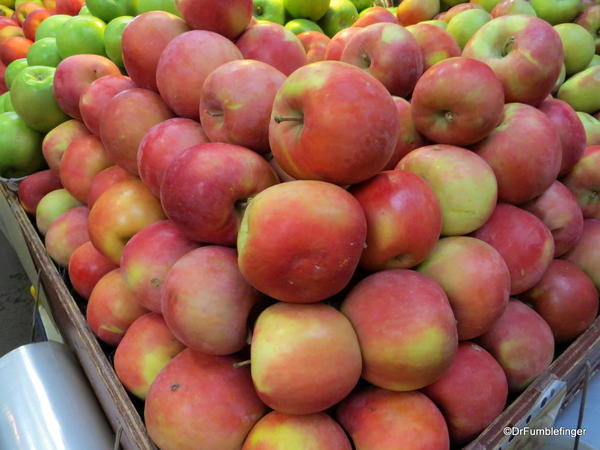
x=368 y=229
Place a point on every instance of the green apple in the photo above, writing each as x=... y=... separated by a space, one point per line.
x=341 y=14
x=50 y=26
x=362 y=4
x=591 y=125
x=306 y=9
x=33 y=98
x=112 y=39
x=298 y=26
x=438 y=23
x=271 y=10
x=13 y=69
x=5 y=103
x=488 y=5
x=44 y=52
x=578 y=45
x=582 y=91
x=80 y=35
x=562 y=76
x=595 y=61
x=556 y=11
x=107 y=10
x=514 y=7
x=157 y=5
x=85 y=11
x=20 y=147
x=465 y=24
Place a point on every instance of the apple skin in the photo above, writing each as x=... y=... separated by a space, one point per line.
x=313 y=10
x=118 y=214
x=86 y=267
x=446 y=109
x=584 y=182
x=408 y=137
x=475 y=278
x=522 y=342
x=533 y=60
x=374 y=15
x=271 y=10
x=436 y=43
x=377 y=49
x=52 y=206
x=19 y=147
x=409 y=313
x=44 y=52
x=205 y=287
x=524 y=242
x=74 y=74
x=58 y=140
x=463 y=182
x=105 y=179
x=586 y=254
x=314 y=145
x=147 y=258
x=465 y=24
x=113 y=36
x=315 y=44
x=298 y=26
x=33 y=188
x=236 y=103
x=507 y=7
x=403 y=220
x=488 y=5
x=81 y=34
x=274 y=45
x=10 y=31
x=414 y=11
x=66 y=234
x=590 y=20
x=582 y=91
x=50 y=26
x=141 y=58
x=338 y=43
x=97 y=95
x=570 y=131
x=522 y=175
x=126 y=119
x=591 y=125
x=384 y=420
x=578 y=46
x=162 y=144
x=13 y=69
x=23 y=9
x=307 y=257
x=316 y=365
x=341 y=14
x=229 y=18
x=471 y=393
x=108 y=10
x=147 y=347
x=33 y=21
x=202 y=401
x=567 y=300
x=15 y=47
x=69 y=7
x=556 y=11
x=223 y=176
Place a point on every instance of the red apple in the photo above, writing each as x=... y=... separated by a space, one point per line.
x=557 y=207
x=7 y=22
x=524 y=151
x=14 y=48
x=408 y=137
x=236 y=103
x=33 y=188
x=69 y=7
x=315 y=45
x=586 y=254
x=227 y=17
x=86 y=267
x=162 y=144
x=273 y=44
x=436 y=43
x=66 y=234
x=105 y=179
x=373 y=15
x=455 y=10
x=10 y=31
x=337 y=44
x=58 y=140
x=584 y=182
x=33 y=20
x=24 y=9
x=471 y=393
x=414 y=11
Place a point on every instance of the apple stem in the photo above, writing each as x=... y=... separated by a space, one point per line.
x=237 y=365
x=280 y=119
x=214 y=113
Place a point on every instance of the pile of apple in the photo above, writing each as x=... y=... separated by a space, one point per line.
x=376 y=237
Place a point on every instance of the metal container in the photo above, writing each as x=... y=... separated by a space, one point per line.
x=46 y=402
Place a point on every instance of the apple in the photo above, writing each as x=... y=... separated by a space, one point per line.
x=50 y=5
x=465 y=24
x=53 y=205
x=147 y=258
x=436 y=43
x=108 y=10
x=337 y=44
x=463 y=182
x=590 y=20
x=403 y=220
x=586 y=254
x=87 y=266
x=523 y=241
x=113 y=35
x=305 y=257
x=226 y=17
x=591 y=125
x=106 y=179
x=5 y=104
x=570 y=131
x=567 y=300
x=310 y=143
x=66 y=234
x=10 y=31
x=69 y=7
x=471 y=393
x=595 y=61
x=557 y=207
x=384 y=420
x=13 y=69
x=273 y=44
x=525 y=152
x=161 y=145
x=58 y=139
x=20 y=147
x=140 y=60
x=33 y=21
x=7 y=22
x=556 y=11
x=298 y=26
x=280 y=430
x=147 y=346
x=584 y=182
x=341 y=14
x=84 y=158
x=582 y=91
x=81 y=35
x=506 y=7
x=408 y=137
x=313 y=10
x=522 y=342
x=180 y=85
x=15 y=47
x=126 y=119
x=414 y=11
x=44 y=52
x=224 y=176
x=578 y=45
x=271 y=10
x=74 y=74
x=236 y=103
x=201 y=401
x=372 y=15
x=488 y=5
x=315 y=44
x=457 y=9
x=118 y=214
x=50 y=26
x=33 y=188
x=24 y=9
x=531 y=55
x=97 y=95
x=157 y=5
